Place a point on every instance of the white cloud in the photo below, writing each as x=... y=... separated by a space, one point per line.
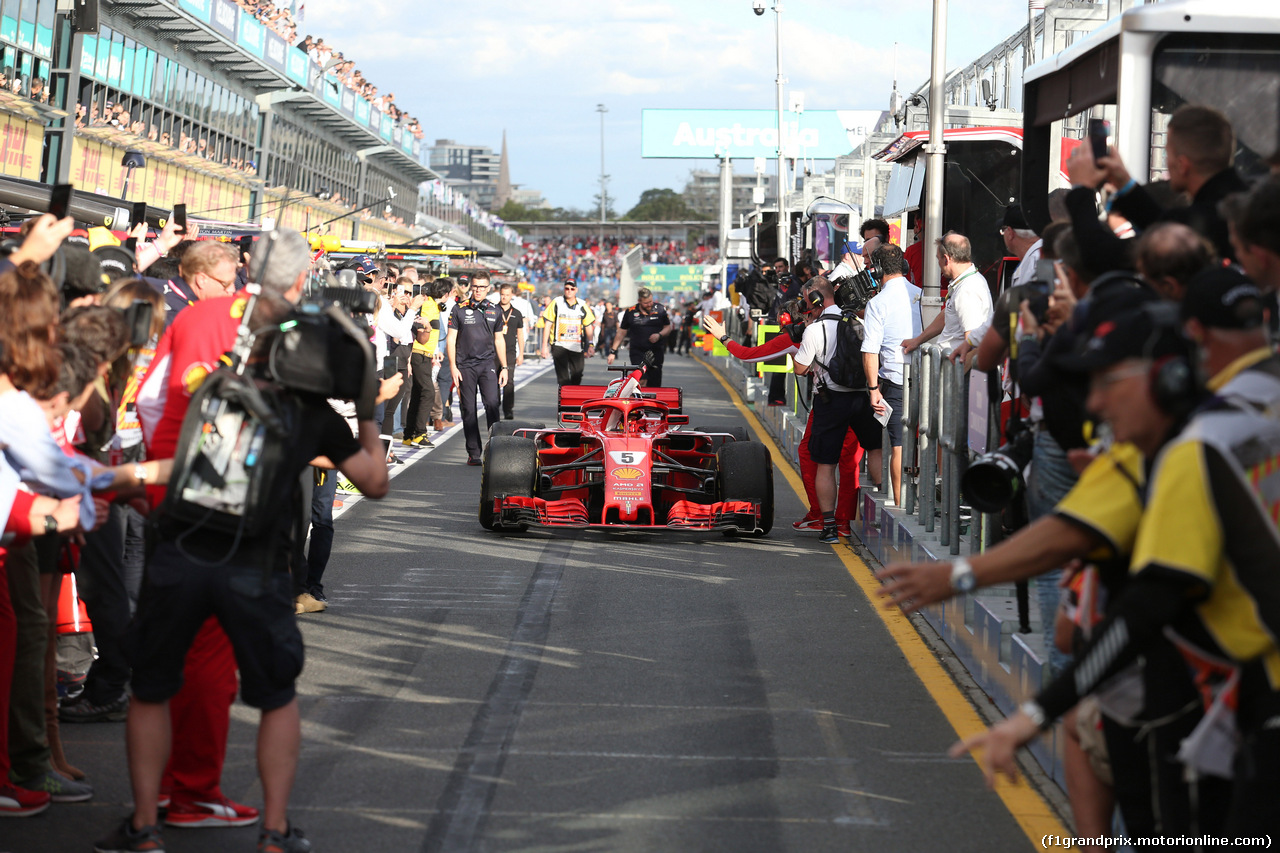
x=470 y=70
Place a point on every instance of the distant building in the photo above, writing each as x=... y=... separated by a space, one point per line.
x=464 y=163
x=702 y=193
x=530 y=198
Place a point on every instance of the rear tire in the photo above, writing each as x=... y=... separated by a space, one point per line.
x=745 y=473
x=509 y=467
x=510 y=427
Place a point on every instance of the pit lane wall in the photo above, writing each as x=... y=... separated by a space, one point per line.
x=980 y=629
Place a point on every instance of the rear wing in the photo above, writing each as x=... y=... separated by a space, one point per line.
x=572 y=397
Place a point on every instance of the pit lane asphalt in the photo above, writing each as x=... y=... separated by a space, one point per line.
x=586 y=691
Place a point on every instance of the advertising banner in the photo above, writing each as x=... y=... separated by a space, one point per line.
x=225 y=13
x=250 y=37
x=297 y=66
x=362 y=110
x=8 y=29
x=20 y=145
x=704 y=134
x=276 y=47
x=198 y=9
x=670 y=278
x=348 y=102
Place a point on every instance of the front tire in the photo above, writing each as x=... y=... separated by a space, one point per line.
x=509 y=467
x=745 y=473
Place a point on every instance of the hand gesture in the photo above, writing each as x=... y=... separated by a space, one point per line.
x=713 y=327
x=43 y=240
x=388 y=388
x=912 y=586
x=1000 y=745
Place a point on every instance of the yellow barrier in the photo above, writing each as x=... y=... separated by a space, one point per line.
x=763 y=330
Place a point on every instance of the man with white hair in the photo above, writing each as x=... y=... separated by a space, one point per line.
x=1022 y=242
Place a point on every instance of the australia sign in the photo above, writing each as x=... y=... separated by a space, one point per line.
x=703 y=134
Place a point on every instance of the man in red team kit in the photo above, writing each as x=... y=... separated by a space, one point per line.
x=200 y=713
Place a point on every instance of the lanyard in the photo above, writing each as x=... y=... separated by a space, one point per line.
x=963 y=276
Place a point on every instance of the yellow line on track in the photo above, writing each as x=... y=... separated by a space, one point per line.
x=1024 y=802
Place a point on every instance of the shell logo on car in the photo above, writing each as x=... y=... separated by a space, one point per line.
x=628 y=473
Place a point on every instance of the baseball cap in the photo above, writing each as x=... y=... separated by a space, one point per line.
x=569 y=282
x=1223 y=298
x=116 y=261
x=367 y=267
x=1015 y=218
x=1148 y=332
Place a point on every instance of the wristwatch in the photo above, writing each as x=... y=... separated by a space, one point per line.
x=50 y=524
x=1033 y=710
x=962 y=578
x=724 y=339
x=140 y=473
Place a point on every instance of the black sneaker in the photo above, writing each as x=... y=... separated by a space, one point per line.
x=318 y=593
x=830 y=536
x=473 y=460
x=270 y=841
x=126 y=839
x=84 y=711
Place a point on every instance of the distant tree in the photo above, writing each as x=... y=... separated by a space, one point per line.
x=594 y=212
x=661 y=205
x=513 y=211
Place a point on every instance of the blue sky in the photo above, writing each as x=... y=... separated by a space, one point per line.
x=470 y=70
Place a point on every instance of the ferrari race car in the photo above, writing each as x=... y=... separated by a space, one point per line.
x=624 y=457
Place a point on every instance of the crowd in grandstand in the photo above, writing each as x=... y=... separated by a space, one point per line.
x=551 y=260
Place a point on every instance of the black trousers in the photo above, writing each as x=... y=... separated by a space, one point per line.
x=389 y=411
x=485 y=378
x=652 y=376
x=421 y=397
x=509 y=390
x=569 y=365
x=100 y=579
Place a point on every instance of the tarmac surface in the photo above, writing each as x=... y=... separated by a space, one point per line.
x=586 y=691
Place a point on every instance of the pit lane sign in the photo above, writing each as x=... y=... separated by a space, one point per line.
x=704 y=134
x=672 y=278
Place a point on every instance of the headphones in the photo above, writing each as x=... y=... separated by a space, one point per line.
x=814 y=298
x=1174 y=380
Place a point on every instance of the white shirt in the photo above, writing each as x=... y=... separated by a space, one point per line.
x=819 y=345
x=968 y=308
x=386 y=323
x=893 y=315
x=1026 y=270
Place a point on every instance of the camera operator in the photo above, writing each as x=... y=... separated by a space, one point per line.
x=476 y=344
x=836 y=409
x=644 y=326
x=190 y=349
x=892 y=316
x=248 y=595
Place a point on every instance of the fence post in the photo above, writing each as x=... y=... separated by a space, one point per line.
x=928 y=437
x=946 y=438
x=910 y=405
x=960 y=447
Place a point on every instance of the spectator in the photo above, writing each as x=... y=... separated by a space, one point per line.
x=968 y=309
x=1169 y=254
x=1021 y=242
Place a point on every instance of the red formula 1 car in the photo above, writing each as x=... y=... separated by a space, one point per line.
x=624 y=457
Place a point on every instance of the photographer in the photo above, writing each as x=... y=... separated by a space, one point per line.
x=836 y=409
x=192 y=579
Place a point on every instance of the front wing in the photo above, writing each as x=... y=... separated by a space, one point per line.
x=514 y=511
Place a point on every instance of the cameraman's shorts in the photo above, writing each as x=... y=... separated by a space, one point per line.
x=893 y=396
x=254 y=608
x=836 y=412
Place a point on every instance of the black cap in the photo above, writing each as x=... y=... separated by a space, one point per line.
x=116 y=261
x=1223 y=298
x=1149 y=332
x=1015 y=218
x=569 y=282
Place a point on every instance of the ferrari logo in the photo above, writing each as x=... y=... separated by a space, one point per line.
x=628 y=473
